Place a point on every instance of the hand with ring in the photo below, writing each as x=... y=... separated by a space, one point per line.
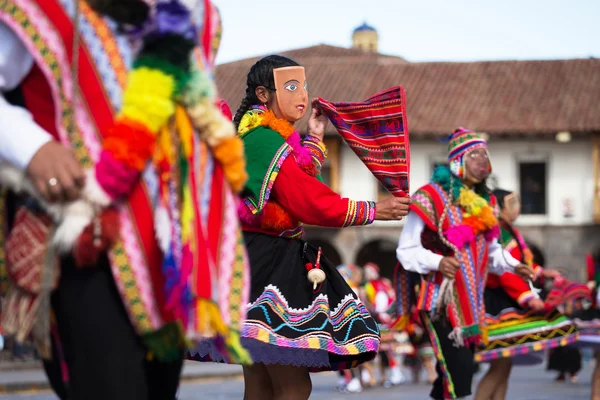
x=55 y=173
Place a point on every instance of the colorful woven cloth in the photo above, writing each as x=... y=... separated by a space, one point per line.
x=514 y=333
x=564 y=291
x=377 y=131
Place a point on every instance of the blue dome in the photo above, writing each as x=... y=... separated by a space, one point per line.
x=364 y=27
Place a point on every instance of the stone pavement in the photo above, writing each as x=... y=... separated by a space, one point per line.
x=527 y=383
x=34 y=379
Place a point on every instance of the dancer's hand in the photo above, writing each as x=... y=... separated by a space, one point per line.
x=55 y=173
x=550 y=273
x=448 y=267
x=525 y=271
x=392 y=208
x=536 y=304
x=317 y=121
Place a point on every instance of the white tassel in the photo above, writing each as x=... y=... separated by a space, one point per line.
x=78 y=215
x=162 y=227
x=457 y=337
x=444 y=295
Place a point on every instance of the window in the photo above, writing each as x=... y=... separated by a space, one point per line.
x=330 y=171
x=532 y=187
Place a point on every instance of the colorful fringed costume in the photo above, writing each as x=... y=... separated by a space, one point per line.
x=288 y=321
x=587 y=318
x=139 y=109
x=448 y=219
x=513 y=330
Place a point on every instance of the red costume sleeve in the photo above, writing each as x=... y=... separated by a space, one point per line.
x=516 y=288
x=314 y=203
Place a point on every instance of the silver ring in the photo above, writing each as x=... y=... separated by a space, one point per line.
x=52 y=182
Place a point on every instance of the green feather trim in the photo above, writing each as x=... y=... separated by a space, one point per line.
x=166 y=344
x=199 y=87
x=443 y=177
x=181 y=76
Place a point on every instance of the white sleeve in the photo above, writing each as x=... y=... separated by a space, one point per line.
x=411 y=253
x=20 y=136
x=500 y=260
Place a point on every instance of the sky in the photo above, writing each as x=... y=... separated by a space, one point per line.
x=418 y=30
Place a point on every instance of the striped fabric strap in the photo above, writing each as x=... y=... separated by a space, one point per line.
x=359 y=213
x=318 y=150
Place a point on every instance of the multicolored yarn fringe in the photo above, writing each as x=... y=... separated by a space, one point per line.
x=514 y=333
x=478 y=215
x=377 y=131
x=164 y=77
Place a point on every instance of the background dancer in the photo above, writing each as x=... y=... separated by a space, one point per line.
x=93 y=85
x=451 y=239
x=302 y=315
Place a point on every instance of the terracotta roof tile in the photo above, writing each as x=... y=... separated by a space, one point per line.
x=492 y=96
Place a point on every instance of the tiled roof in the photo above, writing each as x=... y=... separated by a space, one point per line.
x=493 y=96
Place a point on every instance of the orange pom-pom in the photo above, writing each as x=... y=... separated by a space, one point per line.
x=475 y=223
x=229 y=150
x=130 y=142
x=487 y=217
x=276 y=218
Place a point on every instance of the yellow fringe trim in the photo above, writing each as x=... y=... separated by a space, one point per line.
x=210 y=324
x=148 y=98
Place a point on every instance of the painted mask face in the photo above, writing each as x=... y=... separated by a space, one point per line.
x=512 y=205
x=291 y=92
x=477 y=165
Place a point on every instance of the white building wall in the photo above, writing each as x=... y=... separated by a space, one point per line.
x=569 y=174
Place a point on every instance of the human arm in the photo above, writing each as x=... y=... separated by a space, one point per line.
x=411 y=253
x=25 y=145
x=312 y=202
x=16 y=123
x=500 y=261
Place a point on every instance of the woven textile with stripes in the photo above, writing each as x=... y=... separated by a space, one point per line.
x=377 y=131
x=517 y=332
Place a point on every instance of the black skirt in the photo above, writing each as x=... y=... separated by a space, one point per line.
x=565 y=359
x=289 y=323
x=497 y=300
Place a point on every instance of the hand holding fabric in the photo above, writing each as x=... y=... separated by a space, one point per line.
x=525 y=271
x=550 y=273
x=392 y=209
x=536 y=304
x=317 y=121
x=448 y=267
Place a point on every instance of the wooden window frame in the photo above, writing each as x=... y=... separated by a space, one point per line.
x=596 y=166
x=333 y=160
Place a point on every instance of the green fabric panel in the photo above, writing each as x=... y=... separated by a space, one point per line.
x=505 y=237
x=527 y=326
x=261 y=146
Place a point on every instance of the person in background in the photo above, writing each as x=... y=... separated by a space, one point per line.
x=451 y=239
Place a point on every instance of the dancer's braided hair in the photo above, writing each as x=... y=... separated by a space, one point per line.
x=261 y=74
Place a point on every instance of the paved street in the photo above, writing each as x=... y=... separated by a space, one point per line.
x=526 y=384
